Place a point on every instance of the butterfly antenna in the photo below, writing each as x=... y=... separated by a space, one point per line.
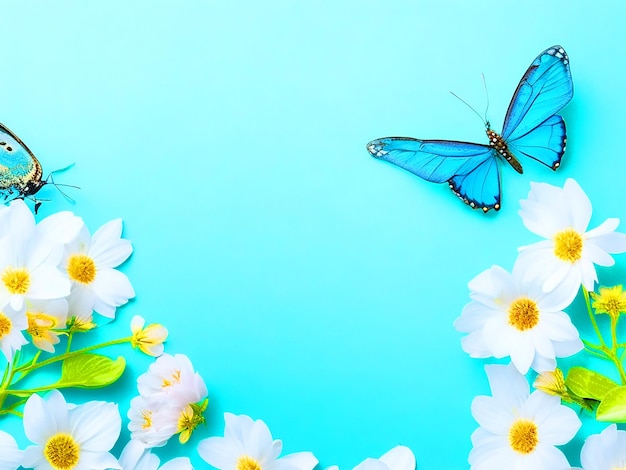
x=50 y=180
x=469 y=106
x=486 y=95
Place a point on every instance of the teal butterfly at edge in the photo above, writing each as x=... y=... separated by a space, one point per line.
x=20 y=171
x=531 y=128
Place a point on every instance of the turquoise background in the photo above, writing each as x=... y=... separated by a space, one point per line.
x=312 y=286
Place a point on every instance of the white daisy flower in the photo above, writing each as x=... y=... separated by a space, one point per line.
x=89 y=263
x=153 y=422
x=44 y=317
x=398 y=458
x=29 y=260
x=568 y=255
x=136 y=457
x=518 y=429
x=70 y=437
x=605 y=451
x=10 y=455
x=510 y=317
x=174 y=378
x=12 y=323
x=248 y=445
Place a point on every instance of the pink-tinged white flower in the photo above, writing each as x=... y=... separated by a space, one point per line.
x=398 y=458
x=605 y=451
x=570 y=251
x=10 y=455
x=44 y=318
x=153 y=422
x=248 y=445
x=172 y=378
x=512 y=317
x=70 y=437
x=12 y=323
x=519 y=429
x=28 y=260
x=90 y=264
x=136 y=457
x=172 y=401
x=149 y=339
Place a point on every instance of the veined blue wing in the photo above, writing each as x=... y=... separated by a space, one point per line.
x=543 y=90
x=470 y=169
x=545 y=143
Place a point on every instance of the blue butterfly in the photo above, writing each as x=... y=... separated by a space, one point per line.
x=531 y=127
x=20 y=171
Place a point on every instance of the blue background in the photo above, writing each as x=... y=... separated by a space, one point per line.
x=312 y=286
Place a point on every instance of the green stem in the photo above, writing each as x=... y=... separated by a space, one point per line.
x=592 y=316
x=62 y=357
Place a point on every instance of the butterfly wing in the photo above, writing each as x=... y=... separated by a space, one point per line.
x=543 y=90
x=545 y=143
x=18 y=165
x=470 y=169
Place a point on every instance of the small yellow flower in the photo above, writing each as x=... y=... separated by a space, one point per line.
x=610 y=300
x=81 y=325
x=149 y=339
x=190 y=417
x=552 y=383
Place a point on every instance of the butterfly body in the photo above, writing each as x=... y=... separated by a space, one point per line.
x=531 y=128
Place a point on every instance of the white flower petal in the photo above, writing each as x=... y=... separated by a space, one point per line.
x=44 y=418
x=399 y=458
x=217 y=452
x=96 y=425
x=580 y=204
x=113 y=287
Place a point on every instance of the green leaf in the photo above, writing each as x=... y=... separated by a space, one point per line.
x=589 y=384
x=90 y=371
x=613 y=406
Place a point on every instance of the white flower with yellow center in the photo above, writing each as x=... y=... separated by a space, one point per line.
x=605 y=451
x=29 y=256
x=44 y=317
x=10 y=455
x=136 y=457
x=153 y=421
x=90 y=264
x=172 y=378
x=69 y=437
x=510 y=317
x=12 y=323
x=519 y=430
x=569 y=253
x=248 y=445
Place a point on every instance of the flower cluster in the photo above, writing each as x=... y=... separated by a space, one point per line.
x=172 y=398
x=521 y=315
x=54 y=271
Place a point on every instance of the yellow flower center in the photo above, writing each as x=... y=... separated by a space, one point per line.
x=81 y=268
x=568 y=245
x=16 y=280
x=175 y=379
x=523 y=314
x=147 y=419
x=523 y=436
x=5 y=325
x=62 y=452
x=247 y=463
